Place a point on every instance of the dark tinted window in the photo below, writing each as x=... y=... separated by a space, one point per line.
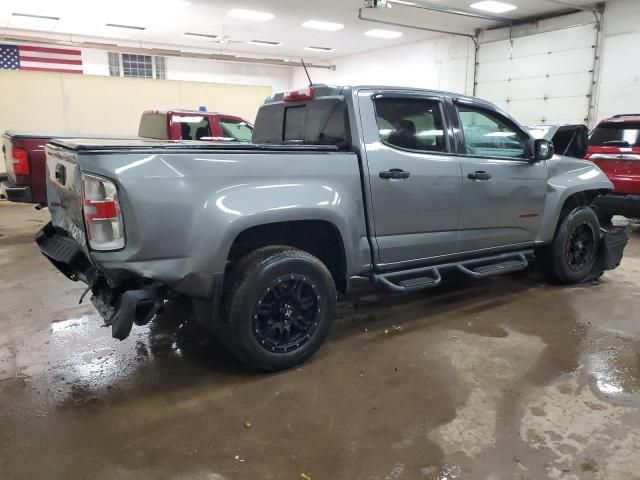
x=294 y=119
x=411 y=123
x=487 y=134
x=319 y=122
x=616 y=135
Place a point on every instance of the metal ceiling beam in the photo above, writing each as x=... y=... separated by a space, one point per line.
x=162 y=52
x=416 y=27
x=435 y=30
x=452 y=11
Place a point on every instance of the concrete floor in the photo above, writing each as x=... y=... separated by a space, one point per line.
x=500 y=379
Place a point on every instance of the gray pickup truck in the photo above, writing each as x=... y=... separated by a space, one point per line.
x=401 y=186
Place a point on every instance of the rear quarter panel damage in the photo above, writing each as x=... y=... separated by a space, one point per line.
x=182 y=212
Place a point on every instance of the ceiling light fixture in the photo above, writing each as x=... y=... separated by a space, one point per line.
x=130 y=27
x=265 y=43
x=41 y=17
x=403 y=2
x=380 y=33
x=200 y=35
x=493 y=7
x=322 y=25
x=320 y=49
x=250 y=15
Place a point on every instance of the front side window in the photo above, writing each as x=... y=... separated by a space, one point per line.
x=237 y=130
x=487 y=134
x=412 y=123
x=193 y=127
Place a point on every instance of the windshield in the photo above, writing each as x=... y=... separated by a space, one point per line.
x=615 y=135
x=237 y=130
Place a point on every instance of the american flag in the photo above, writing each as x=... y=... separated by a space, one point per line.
x=42 y=59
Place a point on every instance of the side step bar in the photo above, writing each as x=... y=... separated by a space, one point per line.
x=427 y=277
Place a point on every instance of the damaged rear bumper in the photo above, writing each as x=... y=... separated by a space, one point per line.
x=120 y=306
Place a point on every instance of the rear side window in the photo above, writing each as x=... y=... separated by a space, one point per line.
x=319 y=122
x=193 y=127
x=487 y=134
x=153 y=125
x=412 y=123
x=616 y=135
x=237 y=130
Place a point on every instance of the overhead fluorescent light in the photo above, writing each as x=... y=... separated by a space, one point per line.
x=320 y=49
x=321 y=25
x=200 y=35
x=380 y=33
x=493 y=7
x=41 y=17
x=264 y=43
x=250 y=15
x=403 y=2
x=130 y=27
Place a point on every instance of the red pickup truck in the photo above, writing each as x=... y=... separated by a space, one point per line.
x=614 y=145
x=194 y=125
x=24 y=151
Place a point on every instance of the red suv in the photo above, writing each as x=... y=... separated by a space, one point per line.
x=614 y=145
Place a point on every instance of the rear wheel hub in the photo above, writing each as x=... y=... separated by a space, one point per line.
x=286 y=313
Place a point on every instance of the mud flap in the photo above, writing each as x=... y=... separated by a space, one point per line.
x=133 y=306
x=612 y=245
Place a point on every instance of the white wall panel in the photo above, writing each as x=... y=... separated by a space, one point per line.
x=544 y=77
x=443 y=63
x=620 y=75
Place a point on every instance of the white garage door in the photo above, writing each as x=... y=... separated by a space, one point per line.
x=541 y=78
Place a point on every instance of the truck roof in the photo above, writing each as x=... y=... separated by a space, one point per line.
x=188 y=112
x=323 y=90
x=623 y=117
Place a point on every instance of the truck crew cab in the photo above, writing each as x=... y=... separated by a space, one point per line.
x=395 y=184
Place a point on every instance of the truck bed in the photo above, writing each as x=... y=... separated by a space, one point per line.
x=174 y=195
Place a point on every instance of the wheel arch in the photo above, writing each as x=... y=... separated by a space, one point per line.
x=561 y=205
x=319 y=237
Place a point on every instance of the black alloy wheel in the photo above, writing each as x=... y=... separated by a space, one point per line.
x=286 y=314
x=580 y=248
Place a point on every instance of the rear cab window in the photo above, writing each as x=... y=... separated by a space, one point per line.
x=322 y=121
x=411 y=123
x=616 y=134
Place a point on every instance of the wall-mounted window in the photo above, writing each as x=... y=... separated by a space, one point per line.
x=137 y=66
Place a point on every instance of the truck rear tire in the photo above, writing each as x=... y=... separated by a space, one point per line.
x=278 y=308
x=571 y=256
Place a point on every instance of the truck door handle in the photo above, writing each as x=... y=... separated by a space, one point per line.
x=395 y=174
x=479 y=175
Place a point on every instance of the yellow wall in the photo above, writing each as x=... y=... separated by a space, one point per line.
x=42 y=101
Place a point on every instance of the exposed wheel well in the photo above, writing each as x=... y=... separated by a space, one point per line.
x=319 y=238
x=580 y=199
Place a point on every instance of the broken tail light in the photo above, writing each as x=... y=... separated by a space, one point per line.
x=102 y=216
x=20 y=161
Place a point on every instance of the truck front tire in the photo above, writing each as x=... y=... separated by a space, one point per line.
x=278 y=308
x=571 y=256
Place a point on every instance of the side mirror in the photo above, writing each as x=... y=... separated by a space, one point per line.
x=543 y=149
